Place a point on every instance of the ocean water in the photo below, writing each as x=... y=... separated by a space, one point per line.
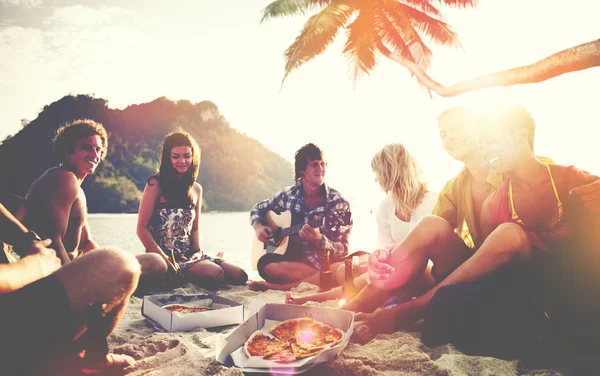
x=229 y=232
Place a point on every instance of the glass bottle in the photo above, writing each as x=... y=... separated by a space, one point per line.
x=349 y=290
x=325 y=274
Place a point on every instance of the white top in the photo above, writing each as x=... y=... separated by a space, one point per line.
x=390 y=229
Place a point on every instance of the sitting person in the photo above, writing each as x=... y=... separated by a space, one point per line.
x=407 y=201
x=169 y=217
x=450 y=236
x=56 y=206
x=52 y=313
x=535 y=278
x=308 y=198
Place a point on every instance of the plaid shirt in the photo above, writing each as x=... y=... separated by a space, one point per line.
x=292 y=199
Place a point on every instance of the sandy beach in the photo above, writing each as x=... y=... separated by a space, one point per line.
x=193 y=353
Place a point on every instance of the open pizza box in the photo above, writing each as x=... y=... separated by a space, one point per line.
x=229 y=349
x=220 y=311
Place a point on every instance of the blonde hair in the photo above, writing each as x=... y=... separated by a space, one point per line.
x=399 y=177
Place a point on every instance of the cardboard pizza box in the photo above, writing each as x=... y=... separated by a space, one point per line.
x=223 y=311
x=229 y=348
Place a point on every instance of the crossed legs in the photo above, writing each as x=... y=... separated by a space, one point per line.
x=285 y=275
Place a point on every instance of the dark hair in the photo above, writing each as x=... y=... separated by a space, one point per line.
x=174 y=190
x=308 y=152
x=67 y=136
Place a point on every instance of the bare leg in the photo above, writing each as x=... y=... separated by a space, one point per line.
x=105 y=276
x=280 y=268
x=433 y=238
x=234 y=275
x=152 y=265
x=206 y=274
x=360 y=282
x=505 y=244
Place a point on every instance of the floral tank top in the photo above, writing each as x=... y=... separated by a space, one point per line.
x=171 y=228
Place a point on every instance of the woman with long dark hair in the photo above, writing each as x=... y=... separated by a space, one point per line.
x=169 y=213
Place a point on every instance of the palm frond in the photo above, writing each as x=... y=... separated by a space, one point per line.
x=459 y=3
x=318 y=33
x=403 y=25
x=425 y=6
x=439 y=31
x=279 y=8
x=389 y=35
x=362 y=43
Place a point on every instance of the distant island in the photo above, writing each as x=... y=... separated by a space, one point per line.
x=236 y=171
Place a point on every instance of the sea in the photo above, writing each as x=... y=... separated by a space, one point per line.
x=229 y=232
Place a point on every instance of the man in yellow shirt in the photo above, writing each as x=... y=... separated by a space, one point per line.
x=447 y=238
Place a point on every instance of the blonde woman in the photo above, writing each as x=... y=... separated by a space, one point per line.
x=408 y=199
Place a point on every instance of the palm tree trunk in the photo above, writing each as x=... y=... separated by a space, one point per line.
x=572 y=59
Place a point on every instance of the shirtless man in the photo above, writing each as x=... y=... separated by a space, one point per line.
x=447 y=238
x=56 y=204
x=45 y=307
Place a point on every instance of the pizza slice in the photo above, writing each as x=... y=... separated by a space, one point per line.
x=286 y=330
x=182 y=309
x=284 y=356
x=302 y=352
x=261 y=345
x=310 y=337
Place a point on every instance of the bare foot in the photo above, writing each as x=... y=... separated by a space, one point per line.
x=362 y=332
x=289 y=299
x=221 y=254
x=264 y=286
x=114 y=363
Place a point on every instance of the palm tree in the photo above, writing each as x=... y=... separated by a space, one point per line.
x=572 y=59
x=391 y=28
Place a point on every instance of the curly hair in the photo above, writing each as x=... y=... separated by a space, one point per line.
x=399 y=177
x=66 y=137
x=173 y=189
x=308 y=152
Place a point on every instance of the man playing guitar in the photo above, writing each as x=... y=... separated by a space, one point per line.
x=309 y=198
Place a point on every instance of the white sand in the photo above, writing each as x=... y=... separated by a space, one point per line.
x=193 y=353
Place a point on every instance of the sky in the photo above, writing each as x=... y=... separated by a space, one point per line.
x=132 y=52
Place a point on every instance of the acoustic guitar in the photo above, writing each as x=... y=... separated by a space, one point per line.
x=282 y=229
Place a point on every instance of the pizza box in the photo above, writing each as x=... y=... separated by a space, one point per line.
x=229 y=349
x=223 y=311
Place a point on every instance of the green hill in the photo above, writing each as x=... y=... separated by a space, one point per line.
x=236 y=171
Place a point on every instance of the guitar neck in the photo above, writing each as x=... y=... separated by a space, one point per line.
x=296 y=228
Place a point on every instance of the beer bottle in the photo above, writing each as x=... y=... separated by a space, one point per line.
x=325 y=274
x=349 y=290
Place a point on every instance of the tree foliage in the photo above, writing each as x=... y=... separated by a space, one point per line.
x=236 y=171
x=389 y=28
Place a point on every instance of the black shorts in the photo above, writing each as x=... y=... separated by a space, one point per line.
x=275 y=257
x=34 y=320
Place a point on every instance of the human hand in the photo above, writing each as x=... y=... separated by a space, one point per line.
x=172 y=266
x=263 y=233
x=197 y=256
x=310 y=234
x=379 y=267
x=589 y=191
x=45 y=258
